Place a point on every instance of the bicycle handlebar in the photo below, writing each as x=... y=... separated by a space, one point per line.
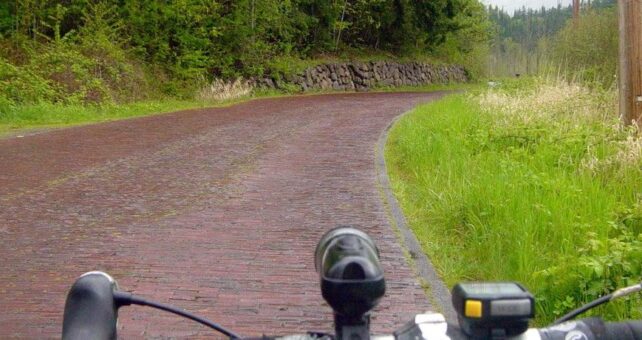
x=593 y=328
x=91 y=312
x=352 y=283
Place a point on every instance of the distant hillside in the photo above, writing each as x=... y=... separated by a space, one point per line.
x=520 y=40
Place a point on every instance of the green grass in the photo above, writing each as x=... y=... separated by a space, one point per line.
x=528 y=187
x=52 y=115
x=471 y=87
x=43 y=116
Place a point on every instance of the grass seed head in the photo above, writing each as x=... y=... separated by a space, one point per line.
x=221 y=90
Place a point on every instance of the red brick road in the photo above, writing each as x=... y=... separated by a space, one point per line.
x=216 y=210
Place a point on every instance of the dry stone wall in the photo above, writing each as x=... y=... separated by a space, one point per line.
x=357 y=76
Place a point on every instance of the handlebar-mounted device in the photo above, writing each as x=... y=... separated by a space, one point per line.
x=493 y=309
x=352 y=281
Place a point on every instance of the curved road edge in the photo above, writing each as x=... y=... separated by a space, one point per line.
x=436 y=290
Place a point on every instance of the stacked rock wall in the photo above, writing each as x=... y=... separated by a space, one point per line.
x=356 y=76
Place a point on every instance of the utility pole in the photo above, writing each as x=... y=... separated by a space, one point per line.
x=630 y=80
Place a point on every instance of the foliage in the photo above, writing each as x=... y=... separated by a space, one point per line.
x=519 y=41
x=468 y=45
x=5 y=18
x=191 y=38
x=588 y=49
x=84 y=66
x=602 y=266
x=533 y=182
x=103 y=52
x=535 y=41
x=22 y=84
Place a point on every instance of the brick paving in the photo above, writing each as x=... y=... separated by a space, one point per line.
x=216 y=210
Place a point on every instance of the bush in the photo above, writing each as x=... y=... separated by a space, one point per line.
x=63 y=73
x=20 y=85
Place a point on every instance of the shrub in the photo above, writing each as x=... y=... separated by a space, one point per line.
x=19 y=85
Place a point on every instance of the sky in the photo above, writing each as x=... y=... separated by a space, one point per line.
x=511 y=5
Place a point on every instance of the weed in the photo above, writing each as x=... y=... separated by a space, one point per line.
x=220 y=90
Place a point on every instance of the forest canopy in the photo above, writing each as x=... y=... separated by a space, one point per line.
x=236 y=37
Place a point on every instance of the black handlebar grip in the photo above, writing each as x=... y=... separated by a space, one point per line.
x=594 y=328
x=624 y=330
x=90 y=309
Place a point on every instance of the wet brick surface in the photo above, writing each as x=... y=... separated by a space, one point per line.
x=216 y=211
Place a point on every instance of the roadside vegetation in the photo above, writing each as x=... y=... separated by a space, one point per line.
x=47 y=115
x=65 y=62
x=24 y=118
x=535 y=181
x=532 y=179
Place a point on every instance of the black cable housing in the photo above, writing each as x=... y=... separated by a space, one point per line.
x=615 y=295
x=125 y=299
x=572 y=314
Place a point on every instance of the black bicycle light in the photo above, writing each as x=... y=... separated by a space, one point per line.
x=352 y=280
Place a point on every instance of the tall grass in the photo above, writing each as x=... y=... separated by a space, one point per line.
x=219 y=90
x=535 y=182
